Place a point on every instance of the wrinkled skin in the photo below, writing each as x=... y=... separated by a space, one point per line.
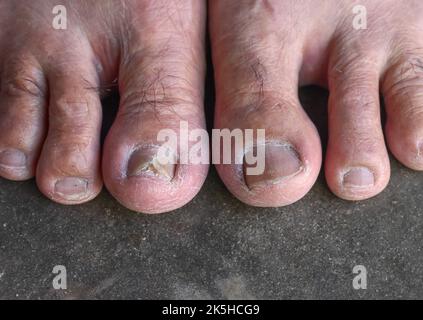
x=51 y=82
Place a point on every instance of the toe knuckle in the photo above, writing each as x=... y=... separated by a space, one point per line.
x=23 y=85
x=22 y=76
x=73 y=115
x=67 y=109
x=73 y=123
x=413 y=113
x=405 y=75
x=73 y=157
x=159 y=103
x=359 y=99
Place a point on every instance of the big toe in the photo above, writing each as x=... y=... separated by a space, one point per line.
x=257 y=89
x=161 y=86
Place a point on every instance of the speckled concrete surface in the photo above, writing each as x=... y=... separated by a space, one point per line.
x=216 y=247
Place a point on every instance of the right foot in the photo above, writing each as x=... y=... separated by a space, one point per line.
x=264 y=49
x=50 y=111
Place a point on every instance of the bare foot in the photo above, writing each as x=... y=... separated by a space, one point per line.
x=264 y=50
x=50 y=106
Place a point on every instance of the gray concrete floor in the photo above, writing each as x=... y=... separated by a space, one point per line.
x=216 y=247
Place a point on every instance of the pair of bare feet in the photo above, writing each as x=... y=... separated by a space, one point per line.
x=262 y=51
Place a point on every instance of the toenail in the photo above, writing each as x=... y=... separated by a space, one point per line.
x=13 y=159
x=281 y=162
x=358 y=178
x=71 y=188
x=420 y=150
x=145 y=161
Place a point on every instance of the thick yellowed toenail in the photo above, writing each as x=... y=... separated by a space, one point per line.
x=145 y=161
x=359 y=177
x=281 y=162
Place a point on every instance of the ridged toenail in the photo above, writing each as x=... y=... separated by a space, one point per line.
x=281 y=162
x=71 y=188
x=359 y=177
x=146 y=161
x=13 y=159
